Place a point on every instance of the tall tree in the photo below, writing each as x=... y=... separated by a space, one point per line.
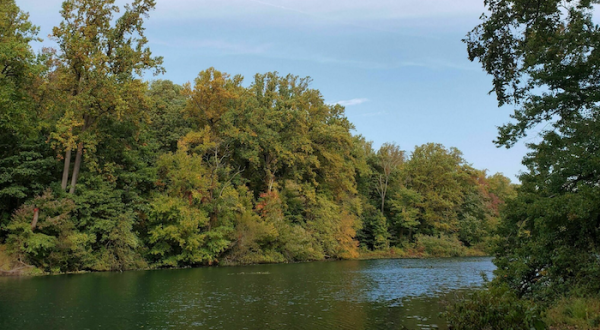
x=543 y=56
x=389 y=157
x=18 y=69
x=101 y=60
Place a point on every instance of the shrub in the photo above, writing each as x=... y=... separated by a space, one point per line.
x=581 y=313
x=495 y=309
x=443 y=246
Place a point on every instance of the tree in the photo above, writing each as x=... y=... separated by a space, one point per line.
x=405 y=211
x=179 y=230
x=167 y=125
x=26 y=162
x=543 y=57
x=436 y=174
x=18 y=70
x=389 y=157
x=211 y=97
x=100 y=63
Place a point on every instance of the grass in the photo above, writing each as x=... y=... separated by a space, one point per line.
x=574 y=313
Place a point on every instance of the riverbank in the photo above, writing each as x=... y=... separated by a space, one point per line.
x=12 y=267
x=419 y=252
x=500 y=308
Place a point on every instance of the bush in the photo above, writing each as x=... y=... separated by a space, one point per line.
x=255 y=241
x=55 y=245
x=443 y=246
x=495 y=309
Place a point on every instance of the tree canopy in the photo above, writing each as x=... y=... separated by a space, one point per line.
x=212 y=171
x=543 y=56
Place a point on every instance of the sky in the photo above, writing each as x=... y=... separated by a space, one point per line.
x=398 y=66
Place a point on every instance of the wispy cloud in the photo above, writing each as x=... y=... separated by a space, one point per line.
x=349 y=103
x=429 y=63
x=325 y=17
x=218 y=45
x=375 y=9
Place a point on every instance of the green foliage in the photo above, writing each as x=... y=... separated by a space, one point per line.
x=24 y=173
x=102 y=212
x=578 y=313
x=180 y=232
x=543 y=58
x=18 y=74
x=543 y=61
x=24 y=164
x=435 y=173
x=379 y=230
x=548 y=243
x=332 y=228
x=167 y=124
x=55 y=244
x=443 y=246
x=210 y=172
x=97 y=73
x=257 y=240
x=405 y=213
x=175 y=234
x=499 y=309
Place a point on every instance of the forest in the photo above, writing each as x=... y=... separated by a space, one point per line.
x=101 y=170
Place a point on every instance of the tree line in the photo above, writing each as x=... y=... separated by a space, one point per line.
x=102 y=170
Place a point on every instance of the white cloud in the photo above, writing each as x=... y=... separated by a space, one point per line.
x=348 y=103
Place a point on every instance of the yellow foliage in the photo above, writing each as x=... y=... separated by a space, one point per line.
x=345 y=235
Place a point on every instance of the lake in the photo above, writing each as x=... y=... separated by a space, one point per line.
x=370 y=294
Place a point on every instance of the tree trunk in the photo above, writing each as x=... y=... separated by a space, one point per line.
x=36 y=214
x=383 y=193
x=76 y=167
x=382 y=189
x=270 y=180
x=65 y=178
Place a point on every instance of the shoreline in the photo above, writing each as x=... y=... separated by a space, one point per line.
x=32 y=271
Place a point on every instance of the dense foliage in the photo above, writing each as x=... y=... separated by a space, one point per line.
x=543 y=56
x=214 y=171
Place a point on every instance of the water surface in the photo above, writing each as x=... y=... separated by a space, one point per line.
x=374 y=294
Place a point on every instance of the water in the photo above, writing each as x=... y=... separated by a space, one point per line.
x=375 y=294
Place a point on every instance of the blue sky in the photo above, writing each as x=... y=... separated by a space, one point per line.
x=398 y=66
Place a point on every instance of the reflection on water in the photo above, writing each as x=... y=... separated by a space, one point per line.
x=376 y=294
